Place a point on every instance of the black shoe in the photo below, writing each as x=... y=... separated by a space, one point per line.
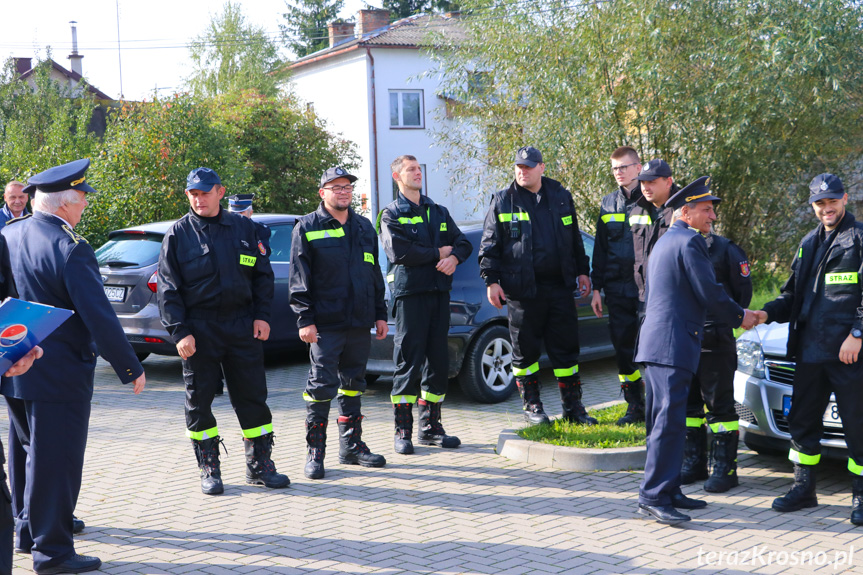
x=314 y=468
x=724 y=457
x=431 y=428
x=802 y=493
x=570 y=400
x=681 y=501
x=207 y=453
x=694 y=466
x=74 y=564
x=404 y=418
x=534 y=414
x=528 y=388
x=22 y=550
x=260 y=469
x=633 y=393
x=665 y=514
x=77 y=525
x=352 y=449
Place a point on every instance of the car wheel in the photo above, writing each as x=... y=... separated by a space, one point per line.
x=486 y=376
x=142 y=356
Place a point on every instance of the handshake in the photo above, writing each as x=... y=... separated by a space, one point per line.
x=753 y=318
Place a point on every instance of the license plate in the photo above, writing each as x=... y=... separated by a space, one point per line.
x=831 y=414
x=117 y=294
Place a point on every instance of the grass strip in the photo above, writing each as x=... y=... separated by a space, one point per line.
x=604 y=435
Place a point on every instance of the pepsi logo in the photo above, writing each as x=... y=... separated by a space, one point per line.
x=12 y=335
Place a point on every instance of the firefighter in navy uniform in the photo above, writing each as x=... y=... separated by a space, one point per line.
x=49 y=406
x=424 y=246
x=823 y=303
x=532 y=258
x=215 y=290
x=337 y=292
x=650 y=218
x=613 y=269
x=713 y=383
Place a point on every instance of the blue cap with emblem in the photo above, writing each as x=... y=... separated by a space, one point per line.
x=240 y=202
x=654 y=169
x=697 y=191
x=825 y=186
x=528 y=156
x=202 y=179
x=61 y=178
x=334 y=174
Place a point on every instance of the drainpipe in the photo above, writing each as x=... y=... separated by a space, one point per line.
x=376 y=200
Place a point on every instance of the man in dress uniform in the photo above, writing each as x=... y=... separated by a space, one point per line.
x=16 y=202
x=424 y=246
x=713 y=383
x=215 y=291
x=681 y=289
x=823 y=303
x=337 y=292
x=613 y=272
x=242 y=204
x=532 y=258
x=49 y=408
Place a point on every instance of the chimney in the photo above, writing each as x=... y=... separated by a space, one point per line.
x=22 y=65
x=371 y=20
x=75 y=58
x=340 y=31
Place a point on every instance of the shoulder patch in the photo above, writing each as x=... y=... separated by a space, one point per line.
x=18 y=219
x=76 y=237
x=744 y=269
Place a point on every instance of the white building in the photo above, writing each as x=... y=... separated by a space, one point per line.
x=368 y=87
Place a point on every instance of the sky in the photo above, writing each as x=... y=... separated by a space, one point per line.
x=154 y=37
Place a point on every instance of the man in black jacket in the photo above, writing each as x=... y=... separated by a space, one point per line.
x=532 y=258
x=424 y=246
x=337 y=292
x=823 y=303
x=613 y=272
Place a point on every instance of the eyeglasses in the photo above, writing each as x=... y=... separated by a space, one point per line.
x=623 y=167
x=345 y=188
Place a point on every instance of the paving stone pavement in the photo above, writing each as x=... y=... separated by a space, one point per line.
x=456 y=511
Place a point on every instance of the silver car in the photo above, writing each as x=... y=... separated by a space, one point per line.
x=762 y=394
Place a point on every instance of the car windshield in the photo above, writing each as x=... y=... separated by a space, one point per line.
x=129 y=251
x=280 y=242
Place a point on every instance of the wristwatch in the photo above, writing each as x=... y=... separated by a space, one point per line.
x=856 y=333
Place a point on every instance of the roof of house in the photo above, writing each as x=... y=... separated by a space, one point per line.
x=75 y=76
x=420 y=30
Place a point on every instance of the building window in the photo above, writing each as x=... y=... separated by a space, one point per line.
x=406 y=109
x=422 y=191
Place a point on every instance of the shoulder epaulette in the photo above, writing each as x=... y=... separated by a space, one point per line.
x=76 y=237
x=18 y=219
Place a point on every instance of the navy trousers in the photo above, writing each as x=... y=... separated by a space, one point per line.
x=338 y=362
x=623 y=326
x=420 y=347
x=666 y=391
x=53 y=436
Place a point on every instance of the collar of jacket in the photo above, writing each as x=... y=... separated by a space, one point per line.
x=326 y=216
x=847 y=222
x=405 y=206
x=547 y=184
x=48 y=217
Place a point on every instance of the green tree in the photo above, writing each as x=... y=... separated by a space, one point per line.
x=759 y=94
x=404 y=8
x=286 y=146
x=233 y=55
x=305 y=28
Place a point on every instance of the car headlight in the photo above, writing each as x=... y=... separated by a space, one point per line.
x=750 y=357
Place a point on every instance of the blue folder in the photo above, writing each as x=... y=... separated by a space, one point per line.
x=23 y=325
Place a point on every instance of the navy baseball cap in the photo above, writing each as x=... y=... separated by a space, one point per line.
x=335 y=173
x=825 y=186
x=697 y=191
x=60 y=178
x=654 y=169
x=202 y=179
x=240 y=202
x=528 y=156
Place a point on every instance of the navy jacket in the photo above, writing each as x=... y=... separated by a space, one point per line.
x=55 y=266
x=681 y=289
x=613 y=253
x=6 y=215
x=647 y=223
x=335 y=279
x=213 y=271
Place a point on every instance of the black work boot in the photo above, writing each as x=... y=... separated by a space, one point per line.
x=207 y=453
x=857 y=500
x=352 y=449
x=528 y=387
x=802 y=493
x=633 y=393
x=260 y=469
x=431 y=429
x=316 y=440
x=404 y=417
x=694 y=466
x=570 y=399
x=724 y=458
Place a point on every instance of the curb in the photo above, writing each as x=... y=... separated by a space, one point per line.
x=513 y=447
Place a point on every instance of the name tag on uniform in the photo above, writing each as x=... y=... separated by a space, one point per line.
x=841 y=278
x=247 y=260
x=567 y=220
x=368 y=257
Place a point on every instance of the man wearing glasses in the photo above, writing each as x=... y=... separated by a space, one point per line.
x=424 y=247
x=614 y=272
x=337 y=292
